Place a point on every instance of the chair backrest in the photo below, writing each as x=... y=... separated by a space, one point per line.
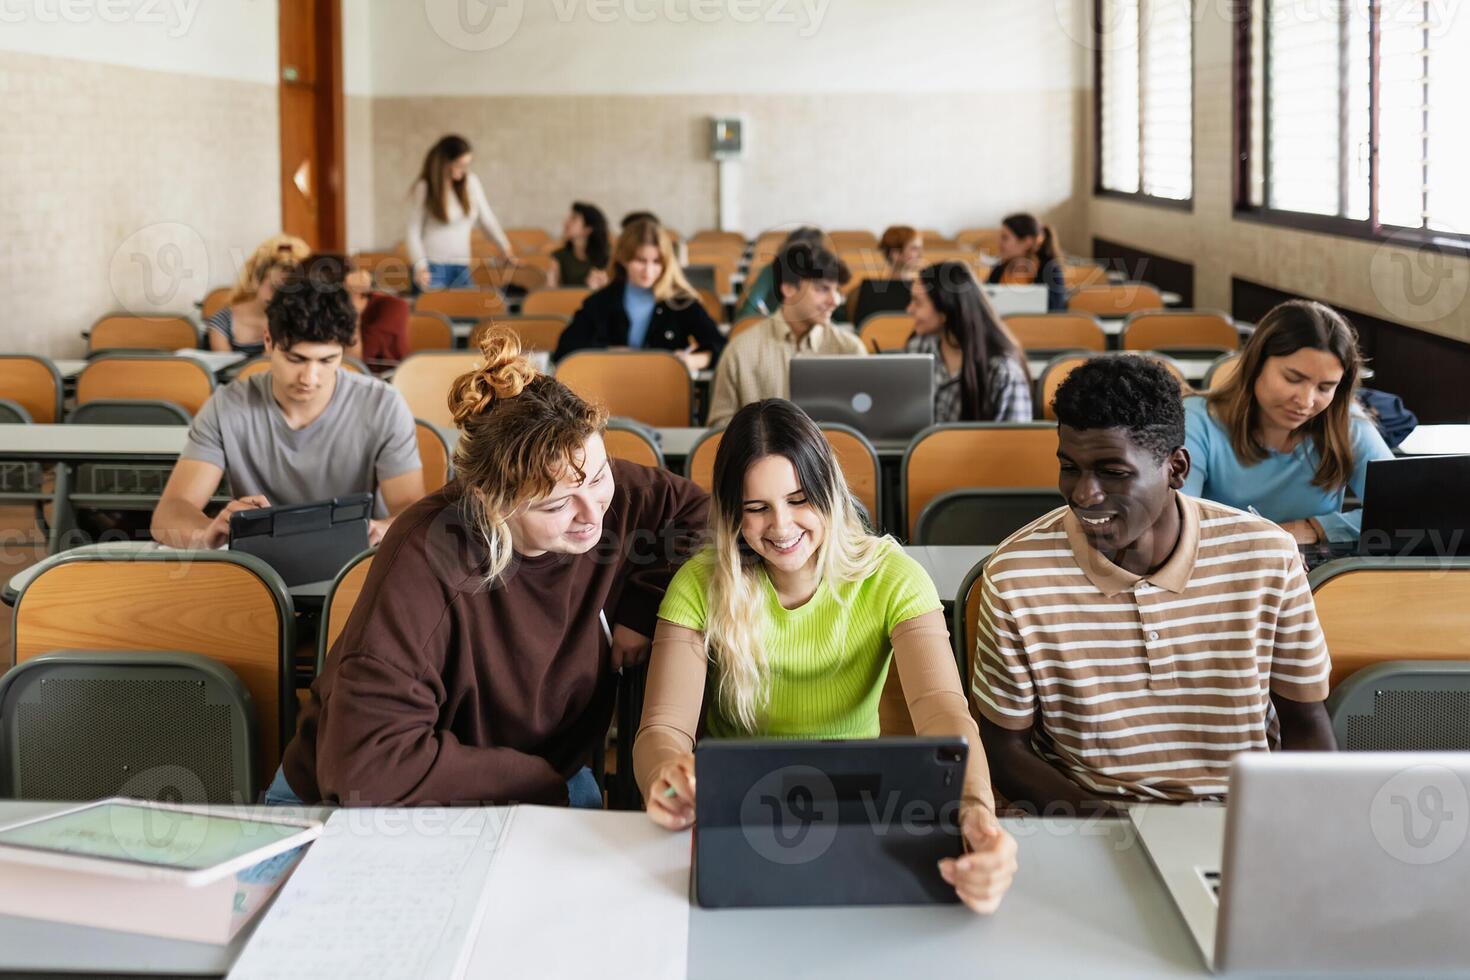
x=980 y=239
x=648 y=386
x=1075 y=275
x=744 y=324
x=729 y=239
x=90 y=724
x=1221 y=371
x=630 y=441
x=461 y=304
x=424 y=380
x=33 y=383
x=886 y=331
x=181 y=380
x=128 y=411
x=124 y=331
x=1059 y=367
x=977 y=454
x=855 y=455
x=565 y=301
x=1404 y=706
x=982 y=516
x=528 y=240
x=1057 y=331
x=341 y=597
x=1380 y=609
x=712 y=305
x=214 y=301
x=429 y=331
x=434 y=456
x=536 y=332
x=391 y=272
x=966 y=620
x=1171 y=329
x=1115 y=299
x=230 y=606
x=844 y=239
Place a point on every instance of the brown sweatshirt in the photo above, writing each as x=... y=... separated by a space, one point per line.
x=440 y=691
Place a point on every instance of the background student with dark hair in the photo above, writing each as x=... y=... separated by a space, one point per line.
x=649 y=305
x=585 y=250
x=447 y=202
x=382 y=319
x=1133 y=641
x=761 y=299
x=1031 y=255
x=903 y=248
x=1285 y=434
x=980 y=372
x=757 y=364
x=302 y=432
x=473 y=669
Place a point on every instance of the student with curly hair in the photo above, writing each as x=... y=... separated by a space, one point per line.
x=1135 y=639
x=304 y=431
x=474 y=667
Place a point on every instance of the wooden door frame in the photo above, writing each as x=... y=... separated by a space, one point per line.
x=329 y=124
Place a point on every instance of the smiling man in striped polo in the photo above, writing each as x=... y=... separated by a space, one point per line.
x=1134 y=640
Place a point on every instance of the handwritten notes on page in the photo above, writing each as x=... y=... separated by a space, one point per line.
x=384 y=893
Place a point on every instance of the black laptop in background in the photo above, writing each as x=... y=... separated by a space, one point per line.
x=1417 y=506
x=305 y=542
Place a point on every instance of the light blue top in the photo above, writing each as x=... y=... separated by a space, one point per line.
x=638 y=304
x=1280 y=486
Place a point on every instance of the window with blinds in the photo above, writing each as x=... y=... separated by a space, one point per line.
x=1313 y=114
x=1146 y=97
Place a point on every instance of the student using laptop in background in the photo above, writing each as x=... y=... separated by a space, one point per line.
x=903 y=248
x=1131 y=642
x=799 y=613
x=649 y=305
x=474 y=667
x=1031 y=255
x=757 y=363
x=1285 y=435
x=303 y=432
x=980 y=372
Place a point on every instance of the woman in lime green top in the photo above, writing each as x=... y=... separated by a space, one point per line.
x=789 y=621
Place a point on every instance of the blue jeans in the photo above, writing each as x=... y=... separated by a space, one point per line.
x=582 y=791
x=443 y=275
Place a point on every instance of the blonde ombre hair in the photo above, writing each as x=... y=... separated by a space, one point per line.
x=734 y=632
x=671 y=284
x=522 y=433
x=285 y=252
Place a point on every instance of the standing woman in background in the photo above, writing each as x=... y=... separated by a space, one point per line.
x=1030 y=255
x=240 y=326
x=585 y=251
x=980 y=373
x=448 y=201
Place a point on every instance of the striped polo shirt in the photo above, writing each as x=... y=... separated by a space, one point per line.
x=1147 y=685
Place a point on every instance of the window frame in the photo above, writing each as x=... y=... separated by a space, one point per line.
x=1140 y=196
x=1367 y=229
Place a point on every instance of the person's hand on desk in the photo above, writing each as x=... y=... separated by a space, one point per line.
x=1305 y=532
x=671 y=794
x=218 y=532
x=629 y=647
x=693 y=358
x=982 y=876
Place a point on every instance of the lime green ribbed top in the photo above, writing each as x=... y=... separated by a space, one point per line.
x=829 y=657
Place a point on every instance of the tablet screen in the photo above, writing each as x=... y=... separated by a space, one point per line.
x=143 y=835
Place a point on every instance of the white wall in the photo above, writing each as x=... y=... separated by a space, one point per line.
x=612 y=47
x=232 y=39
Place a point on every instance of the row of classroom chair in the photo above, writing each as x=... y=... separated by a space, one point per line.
x=123 y=631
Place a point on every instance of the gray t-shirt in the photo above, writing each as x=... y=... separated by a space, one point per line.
x=365 y=436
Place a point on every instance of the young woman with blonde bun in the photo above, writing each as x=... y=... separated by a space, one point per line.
x=474 y=667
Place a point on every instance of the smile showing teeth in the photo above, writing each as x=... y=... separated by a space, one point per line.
x=1096 y=521
x=787 y=545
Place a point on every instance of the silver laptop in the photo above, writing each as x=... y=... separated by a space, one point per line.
x=886 y=397
x=1008 y=300
x=1351 y=862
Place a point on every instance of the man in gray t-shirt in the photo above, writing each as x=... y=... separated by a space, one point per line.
x=305 y=431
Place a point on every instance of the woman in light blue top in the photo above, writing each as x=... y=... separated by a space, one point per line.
x=1284 y=436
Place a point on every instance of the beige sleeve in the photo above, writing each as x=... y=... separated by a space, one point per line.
x=672 y=699
x=931 y=686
